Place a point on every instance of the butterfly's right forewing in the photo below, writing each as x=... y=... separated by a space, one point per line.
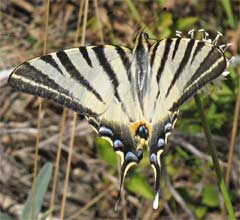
x=182 y=66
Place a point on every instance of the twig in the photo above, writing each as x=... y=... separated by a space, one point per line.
x=29 y=131
x=95 y=2
x=32 y=214
x=56 y=170
x=232 y=143
x=193 y=150
x=169 y=211
x=55 y=137
x=178 y=198
x=24 y=4
x=84 y=22
x=63 y=204
x=233 y=135
x=90 y=203
x=77 y=33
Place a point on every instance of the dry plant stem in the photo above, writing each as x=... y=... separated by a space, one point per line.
x=56 y=170
x=90 y=203
x=63 y=125
x=124 y=210
x=216 y=165
x=189 y=147
x=95 y=2
x=147 y=212
x=169 y=211
x=77 y=33
x=73 y=124
x=24 y=4
x=35 y=169
x=65 y=188
x=178 y=198
x=232 y=142
x=84 y=22
x=233 y=135
x=46 y=7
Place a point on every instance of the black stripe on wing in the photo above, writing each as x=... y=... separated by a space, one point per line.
x=84 y=52
x=125 y=61
x=50 y=60
x=200 y=45
x=27 y=78
x=155 y=46
x=176 y=47
x=99 y=51
x=75 y=74
x=168 y=43
x=183 y=63
x=208 y=61
x=198 y=84
x=100 y=54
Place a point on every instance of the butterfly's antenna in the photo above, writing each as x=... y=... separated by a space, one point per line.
x=153 y=19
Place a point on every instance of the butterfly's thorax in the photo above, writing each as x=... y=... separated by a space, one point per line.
x=140 y=72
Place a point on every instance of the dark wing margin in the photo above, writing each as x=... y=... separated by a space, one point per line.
x=27 y=78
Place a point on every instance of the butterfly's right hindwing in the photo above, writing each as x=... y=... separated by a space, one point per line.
x=82 y=79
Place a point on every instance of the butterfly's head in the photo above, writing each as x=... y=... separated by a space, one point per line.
x=142 y=42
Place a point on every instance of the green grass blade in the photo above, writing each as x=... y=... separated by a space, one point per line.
x=42 y=182
x=228 y=10
x=4 y=216
x=216 y=165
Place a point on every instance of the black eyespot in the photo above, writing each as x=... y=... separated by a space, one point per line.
x=118 y=145
x=160 y=143
x=104 y=131
x=153 y=158
x=130 y=156
x=143 y=132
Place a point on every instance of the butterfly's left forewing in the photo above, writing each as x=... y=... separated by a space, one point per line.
x=83 y=79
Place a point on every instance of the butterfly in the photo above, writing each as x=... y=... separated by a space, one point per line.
x=131 y=97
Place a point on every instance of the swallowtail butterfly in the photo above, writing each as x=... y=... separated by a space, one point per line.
x=130 y=97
